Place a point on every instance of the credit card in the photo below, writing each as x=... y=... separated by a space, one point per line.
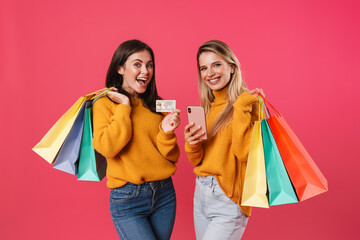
x=165 y=105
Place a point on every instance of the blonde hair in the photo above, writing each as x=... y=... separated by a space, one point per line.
x=236 y=84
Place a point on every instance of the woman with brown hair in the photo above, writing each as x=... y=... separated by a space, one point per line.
x=139 y=145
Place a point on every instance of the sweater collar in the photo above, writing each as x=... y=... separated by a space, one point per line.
x=221 y=96
x=135 y=101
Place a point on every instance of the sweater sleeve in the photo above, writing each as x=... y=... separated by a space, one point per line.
x=245 y=114
x=112 y=129
x=167 y=146
x=195 y=153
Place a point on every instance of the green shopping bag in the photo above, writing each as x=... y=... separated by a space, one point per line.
x=92 y=165
x=280 y=188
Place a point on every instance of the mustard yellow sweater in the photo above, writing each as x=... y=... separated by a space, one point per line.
x=136 y=148
x=225 y=155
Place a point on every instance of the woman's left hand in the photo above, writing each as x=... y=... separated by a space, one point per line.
x=171 y=121
x=254 y=91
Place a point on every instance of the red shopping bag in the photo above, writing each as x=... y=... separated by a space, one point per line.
x=305 y=176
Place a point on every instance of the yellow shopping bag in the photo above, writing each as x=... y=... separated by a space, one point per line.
x=51 y=143
x=255 y=186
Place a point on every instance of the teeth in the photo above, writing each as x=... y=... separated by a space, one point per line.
x=214 y=80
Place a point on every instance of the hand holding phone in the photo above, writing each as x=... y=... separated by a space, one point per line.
x=196 y=115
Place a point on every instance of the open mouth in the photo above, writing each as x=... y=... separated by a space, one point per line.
x=141 y=81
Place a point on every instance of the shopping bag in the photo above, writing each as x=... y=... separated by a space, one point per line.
x=67 y=159
x=50 y=144
x=306 y=177
x=255 y=186
x=92 y=165
x=280 y=188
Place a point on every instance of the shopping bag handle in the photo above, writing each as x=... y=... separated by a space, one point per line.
x=267 y=104
x=99 y=94
x=261 y=116
x=96 y=92
x=262 y=113
x=264 y=109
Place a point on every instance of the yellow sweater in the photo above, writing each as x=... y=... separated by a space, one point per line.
x=225 y=155
x=136 y=148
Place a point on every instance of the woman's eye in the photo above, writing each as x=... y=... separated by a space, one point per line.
x=137 y=65
x=150 y=66
x=217 y=65
x=202 y=69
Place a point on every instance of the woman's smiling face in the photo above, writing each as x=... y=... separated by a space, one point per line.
x=137 y=72
x=214 y=71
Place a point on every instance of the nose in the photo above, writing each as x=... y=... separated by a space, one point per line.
x=144 y=70
x=210 y=72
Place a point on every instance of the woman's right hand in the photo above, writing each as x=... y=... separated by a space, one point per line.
x=193 y=135
x=117 y=97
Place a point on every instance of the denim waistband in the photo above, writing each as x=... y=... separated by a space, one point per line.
x=206 y=180
x=160 y=183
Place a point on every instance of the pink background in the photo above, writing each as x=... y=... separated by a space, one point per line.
x=304 y=54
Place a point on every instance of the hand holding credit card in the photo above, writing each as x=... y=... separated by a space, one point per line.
x=165 y=105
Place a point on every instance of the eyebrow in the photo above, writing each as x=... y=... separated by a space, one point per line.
x=141 y=60
x=137 y=60
x=211 y=63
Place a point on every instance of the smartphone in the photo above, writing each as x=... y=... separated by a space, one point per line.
x=196 y=114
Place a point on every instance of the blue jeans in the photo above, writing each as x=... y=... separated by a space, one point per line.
x=216 y=217
x=145 y=211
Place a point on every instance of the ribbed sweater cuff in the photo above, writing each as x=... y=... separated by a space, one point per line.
x=192 y=148
x=165 y=135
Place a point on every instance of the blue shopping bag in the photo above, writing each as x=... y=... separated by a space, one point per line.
x=67 y=158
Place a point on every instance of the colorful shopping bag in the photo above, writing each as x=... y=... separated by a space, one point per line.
x=306 y=177
x=50 y=144
x=67 y=159
x=255 y=186
x=280 y=188
x=92 y=165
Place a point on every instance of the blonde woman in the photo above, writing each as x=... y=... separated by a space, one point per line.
x=220 y=161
